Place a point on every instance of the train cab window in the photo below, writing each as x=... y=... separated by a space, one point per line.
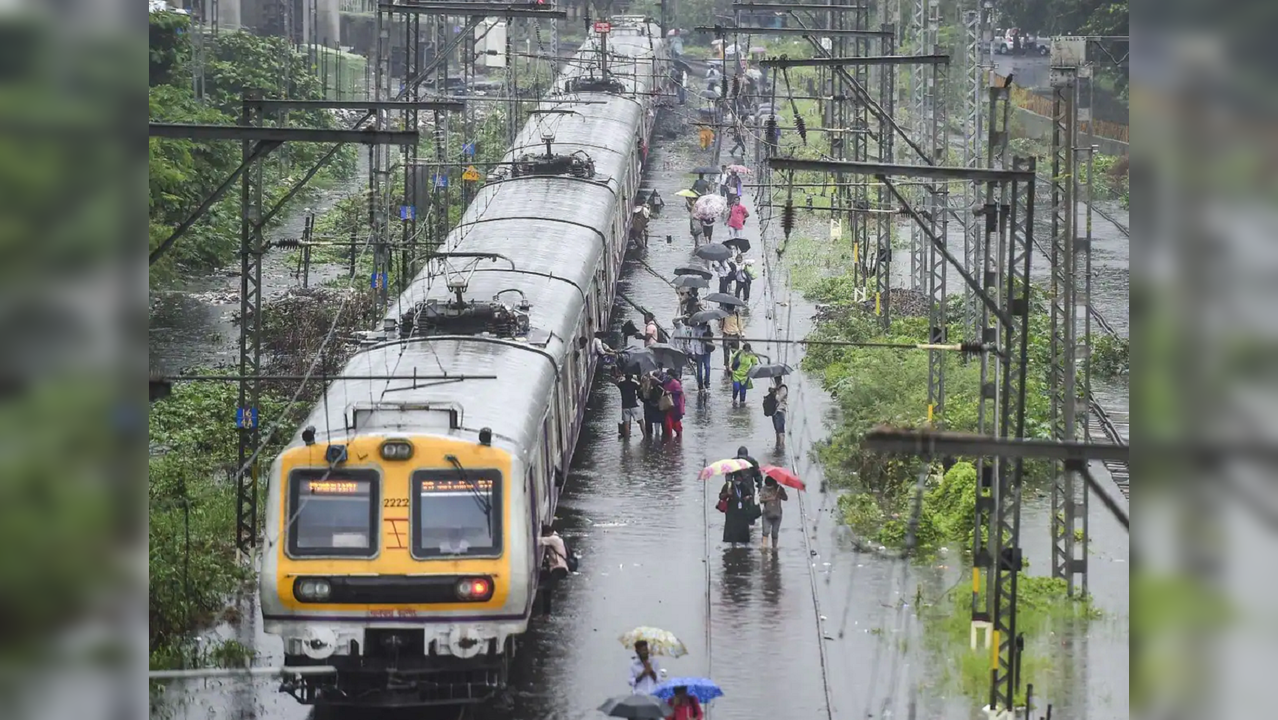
x=333 y=513
x=456 y=512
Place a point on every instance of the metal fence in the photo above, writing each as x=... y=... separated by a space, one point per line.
x=1026 y=99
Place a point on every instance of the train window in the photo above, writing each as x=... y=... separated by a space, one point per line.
x=457 y=512
x=333 y=513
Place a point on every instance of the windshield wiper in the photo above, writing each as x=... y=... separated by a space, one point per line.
x=484 y=504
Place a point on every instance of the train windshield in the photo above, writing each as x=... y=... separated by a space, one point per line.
x=331 y=514
x=457 y=512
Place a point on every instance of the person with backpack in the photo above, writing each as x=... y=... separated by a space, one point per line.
x=742 y=362
x=730 y=329
x=651 y=394
x=775 y=406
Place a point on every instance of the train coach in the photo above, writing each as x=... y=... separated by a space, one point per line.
x=401 y=557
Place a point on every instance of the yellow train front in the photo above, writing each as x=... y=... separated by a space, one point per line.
x=350 y=597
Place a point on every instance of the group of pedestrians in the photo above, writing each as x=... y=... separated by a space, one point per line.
x=746 y=497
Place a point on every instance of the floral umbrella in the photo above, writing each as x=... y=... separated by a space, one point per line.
x=709 y=207
x=723 y=467
x=660 y=642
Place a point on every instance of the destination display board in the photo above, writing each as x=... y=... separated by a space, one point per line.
x=430 y=487
x=335 y=487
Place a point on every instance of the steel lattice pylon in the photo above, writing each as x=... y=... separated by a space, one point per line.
x=379 y=178
x=1066 y=515
x=1007 y=515
x=920 y=38
x=938 y=200
x=988 y=420
x=973 y=121
x=250 y=340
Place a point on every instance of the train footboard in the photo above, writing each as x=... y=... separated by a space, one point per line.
x=406 y=680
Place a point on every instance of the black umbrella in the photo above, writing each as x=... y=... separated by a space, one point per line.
x=714 y=252
x=738 y=242
x=704 y=170
x=769 y=371
x=706 y=316
x=724 y=299
x=667 y=354
x=689 y=270
x=691 y=281
x=637 y=362
x=640 y=707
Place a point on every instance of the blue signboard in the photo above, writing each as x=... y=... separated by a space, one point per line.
x=468 y=149
x=378 y=280
x=441 y=181
x=407 y=212
x=246 y=419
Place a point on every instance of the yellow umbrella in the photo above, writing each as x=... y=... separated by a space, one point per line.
x=687 y=194
x=660 y=642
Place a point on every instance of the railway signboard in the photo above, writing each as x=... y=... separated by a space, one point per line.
x=471 y=174
x=603 y=28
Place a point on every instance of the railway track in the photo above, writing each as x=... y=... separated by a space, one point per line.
x=1116 y=428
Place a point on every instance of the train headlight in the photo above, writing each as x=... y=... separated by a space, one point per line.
x=312 y=589
x=475 y=589
x=397 y=450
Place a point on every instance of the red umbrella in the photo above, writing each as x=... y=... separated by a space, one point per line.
x=783 y=476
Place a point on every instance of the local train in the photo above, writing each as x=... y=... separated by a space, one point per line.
x=401 y=559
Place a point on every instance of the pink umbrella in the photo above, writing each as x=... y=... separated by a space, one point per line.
x=739 y=169
x=723 y=467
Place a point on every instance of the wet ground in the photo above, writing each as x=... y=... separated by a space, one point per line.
x=812 y=630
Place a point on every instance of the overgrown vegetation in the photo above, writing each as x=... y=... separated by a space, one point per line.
x=873 y=387
x=193 y=571
x=1043 y=611
x=1110 y=356
x=183 y=173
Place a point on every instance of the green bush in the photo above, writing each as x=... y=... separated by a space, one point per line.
x=193 y=569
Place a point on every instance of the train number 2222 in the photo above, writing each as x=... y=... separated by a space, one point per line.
x=395 y=502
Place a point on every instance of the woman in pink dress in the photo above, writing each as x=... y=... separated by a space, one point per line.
x=674 y=416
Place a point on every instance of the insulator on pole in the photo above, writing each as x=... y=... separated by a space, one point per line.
x=802 y=127
x=787 y=217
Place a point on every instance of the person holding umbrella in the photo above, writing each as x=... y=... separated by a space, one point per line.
x=643 y=670
x=771 y=498
x=723 y=271
x=776 y=400
x=686 y=707
x=701 y=360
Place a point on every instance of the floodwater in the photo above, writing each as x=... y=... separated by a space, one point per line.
x=192 y=326
x=812 y=630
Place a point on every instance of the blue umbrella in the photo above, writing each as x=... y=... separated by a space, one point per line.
x=703 y=689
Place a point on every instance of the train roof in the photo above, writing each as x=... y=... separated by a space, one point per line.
x=552 y=230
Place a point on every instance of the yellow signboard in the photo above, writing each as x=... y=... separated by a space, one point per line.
x=471 y=174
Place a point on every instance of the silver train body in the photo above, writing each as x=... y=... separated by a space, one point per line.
x=400 y=621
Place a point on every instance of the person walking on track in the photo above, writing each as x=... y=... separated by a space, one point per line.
x=742 y=362
x=643 y=670
x=737 y=215
x=771 y=497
